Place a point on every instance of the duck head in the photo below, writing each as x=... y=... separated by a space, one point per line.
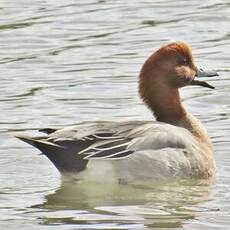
x=164 y=72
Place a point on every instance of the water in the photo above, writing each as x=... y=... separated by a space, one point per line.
x=64 y=62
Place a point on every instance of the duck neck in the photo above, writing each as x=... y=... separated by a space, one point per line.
x=167 y=107
x=163 y=101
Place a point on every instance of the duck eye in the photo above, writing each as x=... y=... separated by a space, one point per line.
x=184 y=61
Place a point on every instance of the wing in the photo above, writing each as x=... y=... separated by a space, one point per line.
x=106 y=146
x=107 y=140
x=70 y=149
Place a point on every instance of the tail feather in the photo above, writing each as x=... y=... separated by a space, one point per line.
x=47 y=130
x=37 y=143
x=64 y=155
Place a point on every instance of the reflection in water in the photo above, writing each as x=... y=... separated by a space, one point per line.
x=164 y=205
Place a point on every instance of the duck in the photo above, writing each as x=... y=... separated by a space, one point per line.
x=174 y=145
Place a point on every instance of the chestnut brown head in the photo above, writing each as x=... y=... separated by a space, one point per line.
x=164 y=72
x=173 y=66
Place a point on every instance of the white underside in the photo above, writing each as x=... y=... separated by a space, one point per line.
x=145 y=165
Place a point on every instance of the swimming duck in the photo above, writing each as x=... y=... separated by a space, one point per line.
x=176 y=145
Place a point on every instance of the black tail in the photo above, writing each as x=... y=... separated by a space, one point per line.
x=63 y=155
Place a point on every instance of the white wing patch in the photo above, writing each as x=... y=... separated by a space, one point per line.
x=106 y=146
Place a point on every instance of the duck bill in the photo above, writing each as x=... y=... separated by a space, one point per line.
x=204 y=73
x=202 y=83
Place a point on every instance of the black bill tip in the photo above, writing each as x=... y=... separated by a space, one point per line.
x=202 y=83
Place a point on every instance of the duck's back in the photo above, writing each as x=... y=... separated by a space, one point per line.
x=124 y=151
